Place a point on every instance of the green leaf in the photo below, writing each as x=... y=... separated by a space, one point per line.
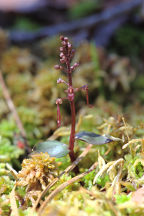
x=92 y=138
x=53 y=147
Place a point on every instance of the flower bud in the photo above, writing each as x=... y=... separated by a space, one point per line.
x=60 y=81
x=61 y=49
x=69 y=46
x=57 y=67
x=73 y=51
x=63 y=43
x=76 y=64
x=66 y=39
x=58 y=101
x=61 y=55
x=61 y=37
x=62 y=60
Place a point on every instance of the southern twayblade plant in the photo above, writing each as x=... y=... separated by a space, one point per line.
x=66 y=55
x=56 y=148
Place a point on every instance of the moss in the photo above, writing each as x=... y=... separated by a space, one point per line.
x=7 y=149
x=88 y=179
x=32 y=84
x=102 y=180
x=37 y=171
x=17 y=60
x=6 y=185
x=8 y=128
x=122 y=198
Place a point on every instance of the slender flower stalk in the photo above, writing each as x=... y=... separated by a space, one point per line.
x=66 y=55
x=58 y=102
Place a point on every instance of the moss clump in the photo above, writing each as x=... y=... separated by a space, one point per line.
x=11 y=152
x=37 y=171
x=6 y=185
x=17 y=60
x=44 y=96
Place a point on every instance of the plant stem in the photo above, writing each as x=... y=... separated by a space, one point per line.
x=72 y=135
x=66 y=55
x=72 y=106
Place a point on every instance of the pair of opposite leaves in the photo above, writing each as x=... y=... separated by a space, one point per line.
x=58 y=149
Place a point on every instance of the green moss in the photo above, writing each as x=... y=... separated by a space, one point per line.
x=9 y=150
x=139 y=170
x=88 y=179
x=65 y=162
x=8 y=128
x=122 y=198
x=6 y=185
x=27 y=212
x=34 y=92
x=102 y=180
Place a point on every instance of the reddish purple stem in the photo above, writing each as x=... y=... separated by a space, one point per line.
x=58 y=116
x=72 y=135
